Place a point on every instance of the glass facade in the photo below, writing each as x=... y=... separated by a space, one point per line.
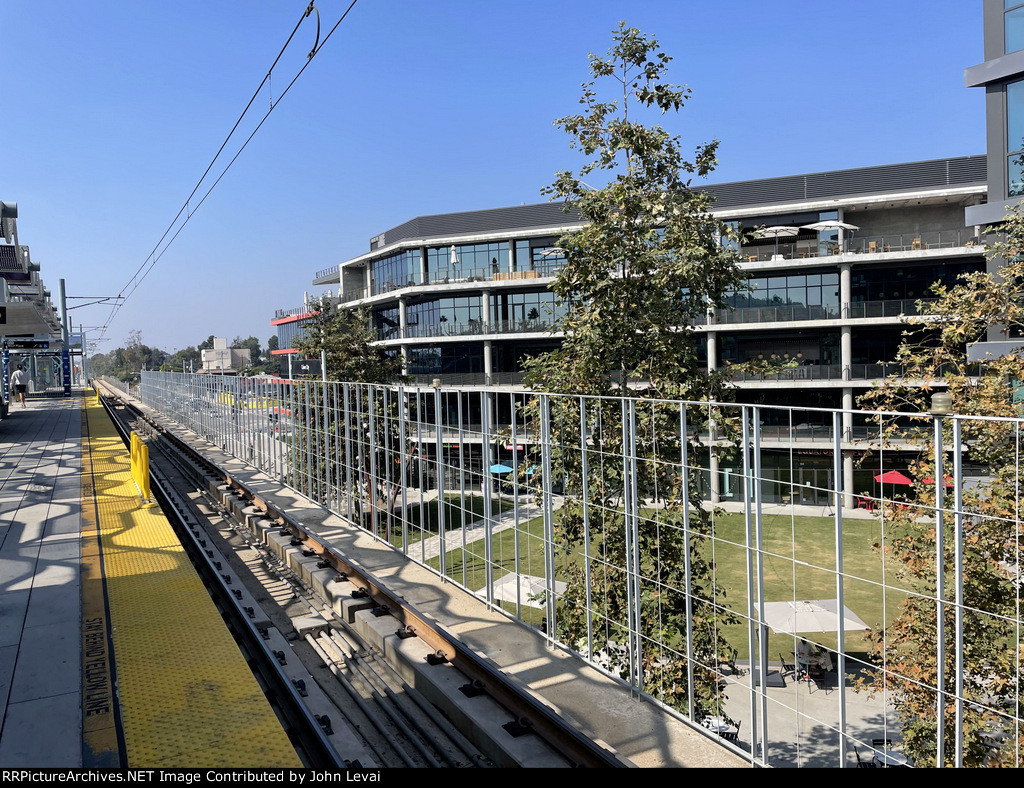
x=1013 y=26
x=443 y=315
x=460 y=262
x=817 y=293
x=540 y=255
x=1015 y=138
x=521 y=310
x=446 y=359
x=394 y=271
x=387 y=323
x=906 y=282
x=289 y=333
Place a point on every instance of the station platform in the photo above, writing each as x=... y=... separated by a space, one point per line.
x=112 y=653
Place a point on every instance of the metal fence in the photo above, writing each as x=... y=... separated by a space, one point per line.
x=698 y=552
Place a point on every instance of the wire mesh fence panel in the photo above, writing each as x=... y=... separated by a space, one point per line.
x=817 y=587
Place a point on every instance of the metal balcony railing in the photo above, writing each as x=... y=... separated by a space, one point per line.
x=866 y=244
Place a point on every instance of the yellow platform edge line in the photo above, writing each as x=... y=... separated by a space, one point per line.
x=187 y=697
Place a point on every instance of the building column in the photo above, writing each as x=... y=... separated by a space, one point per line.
x=423 y=265
x=402 y=322
x=845 y=289
x=712 y=351
x=846 y=351
x=488 y=362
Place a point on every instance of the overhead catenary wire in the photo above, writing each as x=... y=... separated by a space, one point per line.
x=157 y=252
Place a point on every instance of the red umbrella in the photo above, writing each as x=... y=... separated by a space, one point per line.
x=893 y=477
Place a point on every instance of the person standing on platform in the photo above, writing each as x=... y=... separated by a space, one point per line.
x=19 y=384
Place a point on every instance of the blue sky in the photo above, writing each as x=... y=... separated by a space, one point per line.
x=113 y=110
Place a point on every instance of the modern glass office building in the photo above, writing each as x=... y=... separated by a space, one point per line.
x=465 y=297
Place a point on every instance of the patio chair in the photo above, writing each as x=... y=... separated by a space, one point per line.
x=732 y=735
x=862 y=764
x=817 y=678
x=787 y=667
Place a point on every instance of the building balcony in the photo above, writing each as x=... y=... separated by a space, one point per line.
x=861 y=245
x=539 y=271
x=789 y=313
x=775 y=314
x=827 y=372
x=471 y=328
x=281 y=314
x=908 y=307
x=467 y=379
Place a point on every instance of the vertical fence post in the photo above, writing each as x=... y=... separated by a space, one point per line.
x=837 y=502
x=632 y=534
x=360 y=469
x=403 y=470
x=485 y=450
x=347 y=415
x=757 y=632
x=371 y=408
x=585 y=492
x=515 y=502
x=754 y=428
x=958 y=579
x=548 y=512
x=940 y=599
x=684 y=487
x=441 y=513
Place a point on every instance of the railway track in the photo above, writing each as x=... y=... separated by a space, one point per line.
x=313 y=625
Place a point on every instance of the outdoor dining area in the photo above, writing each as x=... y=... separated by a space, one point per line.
x=810 y=662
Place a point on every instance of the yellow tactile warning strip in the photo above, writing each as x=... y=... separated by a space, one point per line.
x=186 y=695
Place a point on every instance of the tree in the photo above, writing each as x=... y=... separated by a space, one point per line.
x=348 y=339
x=253 y=345
x=648 y=265
x=934 y=351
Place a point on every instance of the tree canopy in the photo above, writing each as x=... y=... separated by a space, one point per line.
x=649 y=262
x=934 y=353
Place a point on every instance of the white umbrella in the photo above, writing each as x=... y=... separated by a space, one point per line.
x=830 y=224
x=814 y=615
x=454 y=257
x=776 y=233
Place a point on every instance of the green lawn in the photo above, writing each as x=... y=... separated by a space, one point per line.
x=456 y=512
x=799 y=552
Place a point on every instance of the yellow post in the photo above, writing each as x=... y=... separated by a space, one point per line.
x=140 y=467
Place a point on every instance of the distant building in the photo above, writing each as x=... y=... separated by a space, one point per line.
x=222 y=360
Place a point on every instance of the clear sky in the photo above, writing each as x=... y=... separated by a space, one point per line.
x=112 y=111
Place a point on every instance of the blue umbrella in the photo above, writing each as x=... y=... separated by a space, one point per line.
x=501 y=469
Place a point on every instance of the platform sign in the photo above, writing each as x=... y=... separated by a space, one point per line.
x=28 y=344
x=6 y=370
x=308 y=367
x=65 y=366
